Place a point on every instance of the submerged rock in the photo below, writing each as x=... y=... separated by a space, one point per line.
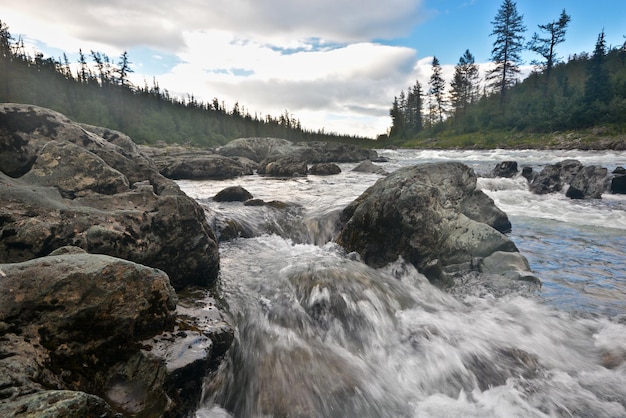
x=432 y=215
x=368 y=166
x=506 y=169
x=232 y=194
x=283 y=166
x=324 y=169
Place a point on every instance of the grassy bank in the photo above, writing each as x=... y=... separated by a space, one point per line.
x=594 y=138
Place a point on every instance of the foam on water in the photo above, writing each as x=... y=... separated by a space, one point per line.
x=322 y=335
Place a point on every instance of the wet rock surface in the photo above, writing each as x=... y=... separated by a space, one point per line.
x=93 y=241
x=431 y=215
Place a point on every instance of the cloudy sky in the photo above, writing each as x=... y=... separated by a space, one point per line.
x=333 y=64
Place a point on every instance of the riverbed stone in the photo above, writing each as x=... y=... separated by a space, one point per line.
x=589 y=183
x=233 y=194
x=505 y=169
x=422 y=214
x=555 y=176
x=324 y=169
x=283 y=166
x=368 y=166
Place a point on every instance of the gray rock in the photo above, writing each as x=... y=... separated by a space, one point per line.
x=368 y=166
x=554 y=177
x=430 y=214
x=509 y=264
x=202 y=168
x=74 y=190
x=283 y=166
x=590 y=183
x=327 y=152
x=257 y=149
x=324 y=169
x=506 y=169
x=618 y=184
x=178 y=163
x=232 y=194
x=74 y=170
x=69 y=318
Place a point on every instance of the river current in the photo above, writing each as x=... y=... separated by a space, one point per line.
x=320 y=334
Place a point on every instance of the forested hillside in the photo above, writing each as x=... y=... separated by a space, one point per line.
x=587 y=91
x=98 y=92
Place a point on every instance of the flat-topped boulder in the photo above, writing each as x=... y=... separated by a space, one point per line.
x=177 y=163
x=259 y=149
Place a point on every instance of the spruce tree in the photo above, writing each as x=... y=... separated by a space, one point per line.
x=437 y=89
x=508 y=29
x=597 y=86
x=464 y=85
x=545 y=46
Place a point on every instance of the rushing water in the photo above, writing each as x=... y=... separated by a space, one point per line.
x=320 y=334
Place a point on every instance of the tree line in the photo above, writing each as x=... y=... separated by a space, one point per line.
x=588 y=90
x=99 y=92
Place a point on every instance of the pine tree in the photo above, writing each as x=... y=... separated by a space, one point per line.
x=413 y=111
x=545 y=46
x=5 y=58
x=597 y=86
x=437 y=89
x=397 y=120
x=508 y=28
x=465 y=84
x=124 y=69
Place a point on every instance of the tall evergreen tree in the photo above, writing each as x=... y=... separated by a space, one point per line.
x=397 y=119
x=124 y=69
x=508 y=29
x=413 y=111
x=437 y=89
x=545 y=46
x=5 y=58
x=597 y=86
x=464 y=86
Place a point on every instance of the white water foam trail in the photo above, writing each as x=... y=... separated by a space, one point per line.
x=322 y=335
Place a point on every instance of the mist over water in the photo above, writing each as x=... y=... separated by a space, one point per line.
x=319 y=334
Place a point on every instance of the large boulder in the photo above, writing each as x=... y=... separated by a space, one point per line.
x=257 y=149
x=324 y=169
x=195 y=164
x=327 y=152
x=283 y=166
x=554 y=177
x=505 y=169
x=589 y=183
x=66 y=319
x=431 y=215
x=87 y=335
x=67 y=184
x=368 y=166
x=618 y=181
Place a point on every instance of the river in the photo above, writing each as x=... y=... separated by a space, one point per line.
x=319 y=334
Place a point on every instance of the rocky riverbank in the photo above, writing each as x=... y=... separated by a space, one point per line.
x=94 y=245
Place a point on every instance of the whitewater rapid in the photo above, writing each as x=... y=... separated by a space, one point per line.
x=320 y=334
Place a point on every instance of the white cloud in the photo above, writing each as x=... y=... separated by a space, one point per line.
x=318 y=59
